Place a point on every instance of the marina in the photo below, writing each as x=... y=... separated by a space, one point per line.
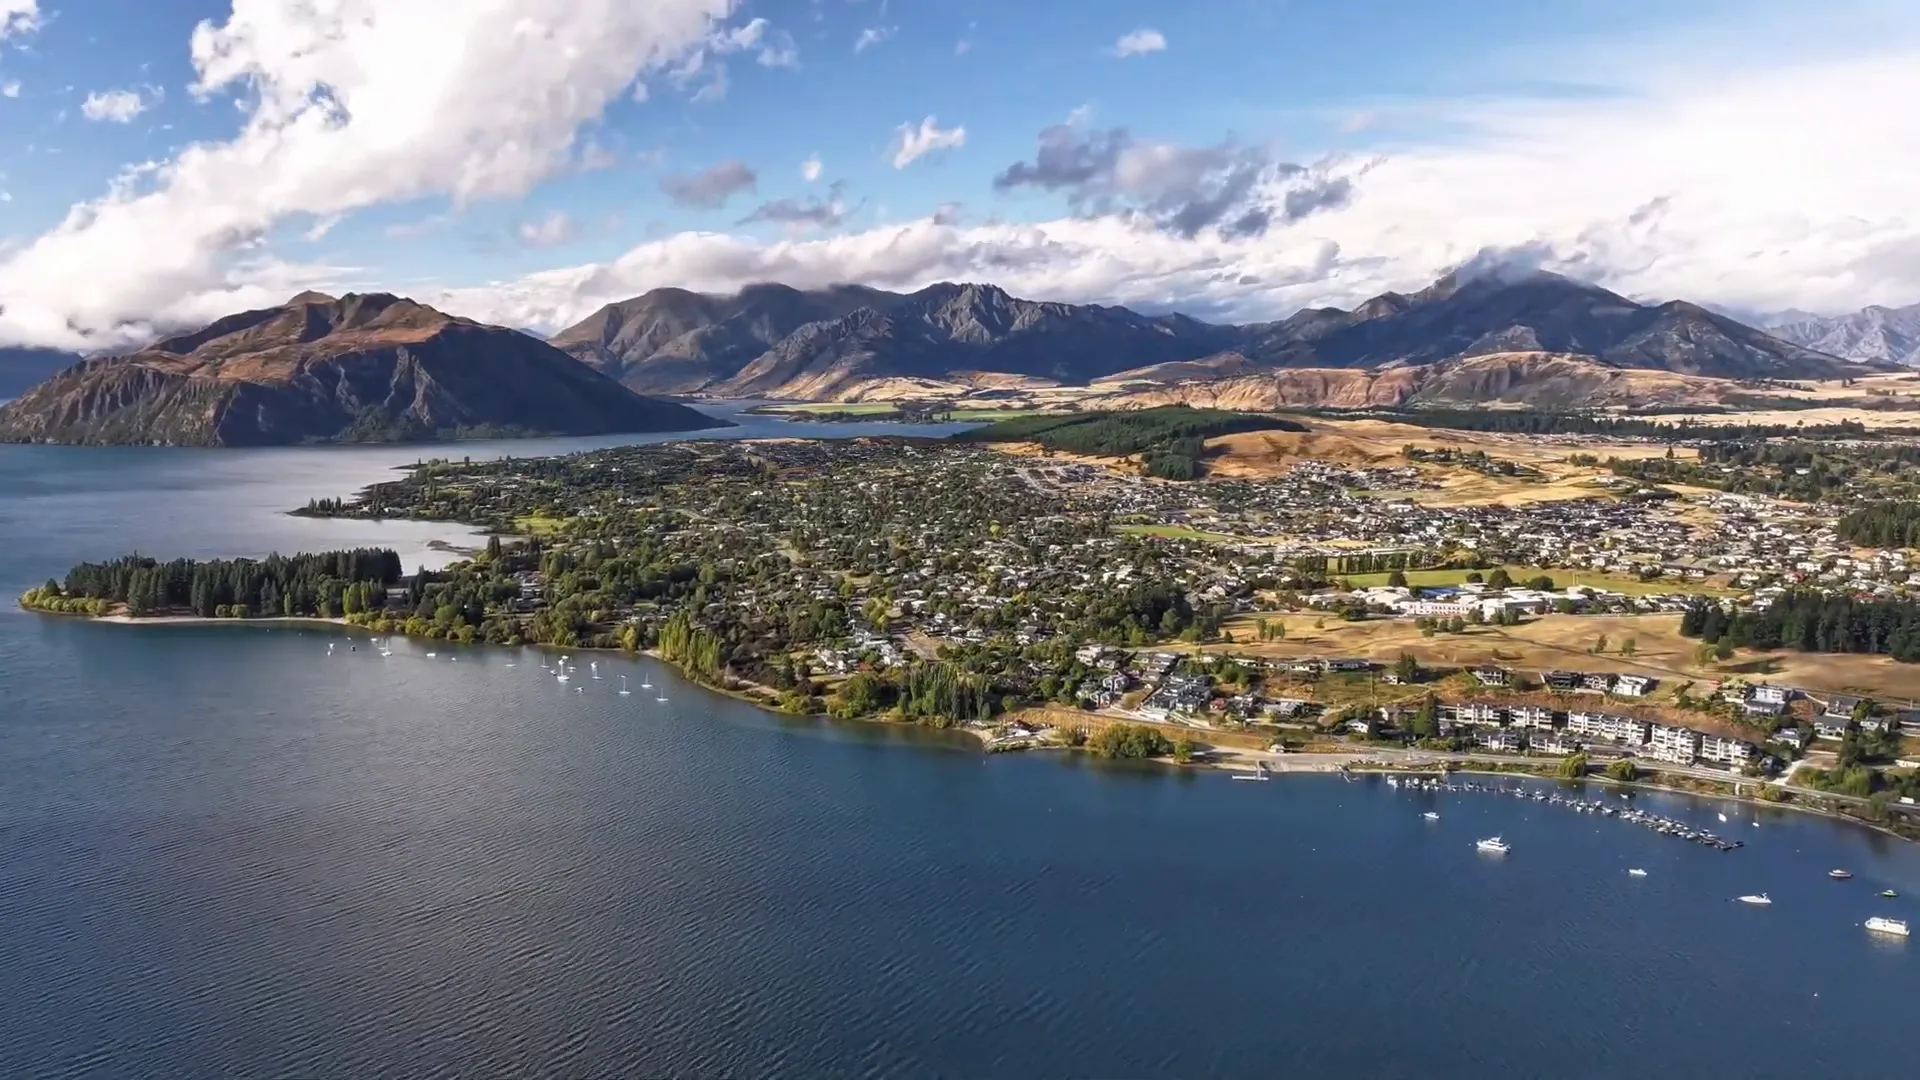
x=1665 y=826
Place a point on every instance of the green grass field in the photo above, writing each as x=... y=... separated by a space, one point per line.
x=538 y=525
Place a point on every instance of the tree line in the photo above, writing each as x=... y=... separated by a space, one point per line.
x=1812 y=622
x=327 y=584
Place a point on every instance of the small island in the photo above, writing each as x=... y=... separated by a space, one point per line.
x=1267 y=603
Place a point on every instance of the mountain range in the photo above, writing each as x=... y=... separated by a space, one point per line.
x=360 y=368
x=21 y=368
x=1873 y=334
x=846 y=342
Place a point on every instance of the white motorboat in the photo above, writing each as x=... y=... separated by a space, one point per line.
x=1880 y=924
x=1495 y=845
x=1636 y=872
x=1761 y=899
x=1840 y=875
x=1722 y=817
x=1431 y=816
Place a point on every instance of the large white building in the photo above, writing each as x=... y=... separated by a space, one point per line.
x=1678 y=745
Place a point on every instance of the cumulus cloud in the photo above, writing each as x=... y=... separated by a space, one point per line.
x=551 y=231
x=871 y=36
x=117 y=106
x=10 y=88
x=1140 y=43
x=710 y=188
x=911 y=143
x=810 y=168
x=801 y=215
x=1237 y=190
x=18 y=18
x=343 y=106
x=1676 y=189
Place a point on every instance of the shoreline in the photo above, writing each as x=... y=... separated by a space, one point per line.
x=1231 y=759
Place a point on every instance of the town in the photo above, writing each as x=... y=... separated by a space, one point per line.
x=1037 y=598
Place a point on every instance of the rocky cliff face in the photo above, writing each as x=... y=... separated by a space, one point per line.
x=370 y=368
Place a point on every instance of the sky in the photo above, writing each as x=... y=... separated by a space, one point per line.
x=167 y=162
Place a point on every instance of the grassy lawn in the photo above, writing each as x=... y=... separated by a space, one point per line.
x=538 y=525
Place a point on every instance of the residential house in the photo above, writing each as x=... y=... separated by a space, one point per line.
x=1490 y=675
x=1632 y=685
x=1561 y=680
x=1841 y=706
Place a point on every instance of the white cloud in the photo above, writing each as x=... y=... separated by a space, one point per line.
x=18 y=18
x=551 y=231
x=10 y=88
x=1140 y=43
x=117 y=106
x=345 y=105
x=910 y=144
x=871 y=36
x=810 y=168
x=1676 y=187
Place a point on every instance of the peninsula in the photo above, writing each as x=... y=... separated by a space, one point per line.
x=1592 y=596
x=361 y=368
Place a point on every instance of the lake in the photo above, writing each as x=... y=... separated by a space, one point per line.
x=231 y=851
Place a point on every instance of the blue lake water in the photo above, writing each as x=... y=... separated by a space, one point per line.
x=230 y=853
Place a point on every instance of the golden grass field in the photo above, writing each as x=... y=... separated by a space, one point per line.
x=1380 y=443
x=1566 y=641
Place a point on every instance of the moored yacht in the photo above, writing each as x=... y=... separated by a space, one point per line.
x=1759 y=898
x=1636 y=872
x=1882 y=925
x=1839 y=875
x=1431 y=816
x=1495 y=845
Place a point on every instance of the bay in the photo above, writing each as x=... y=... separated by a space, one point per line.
x=228 y=851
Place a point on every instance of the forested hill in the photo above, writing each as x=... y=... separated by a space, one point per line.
x=1171 y=439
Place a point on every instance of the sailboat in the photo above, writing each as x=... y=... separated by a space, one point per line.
x=623 y=686
x=662 y=697
x=594 y=666
x=644 y=685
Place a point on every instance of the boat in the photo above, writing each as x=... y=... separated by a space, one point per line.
x=1888 y=894
x=623 y=686
x=432 y=655
x=1636 y=872
x=1762 y=899
x=646 y=685
x=1880 y=924
x=661 y=698
x=1431 y=816
x=1495 y=845
x=562 y=676
x=1722 y=817
x=1839 y=875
